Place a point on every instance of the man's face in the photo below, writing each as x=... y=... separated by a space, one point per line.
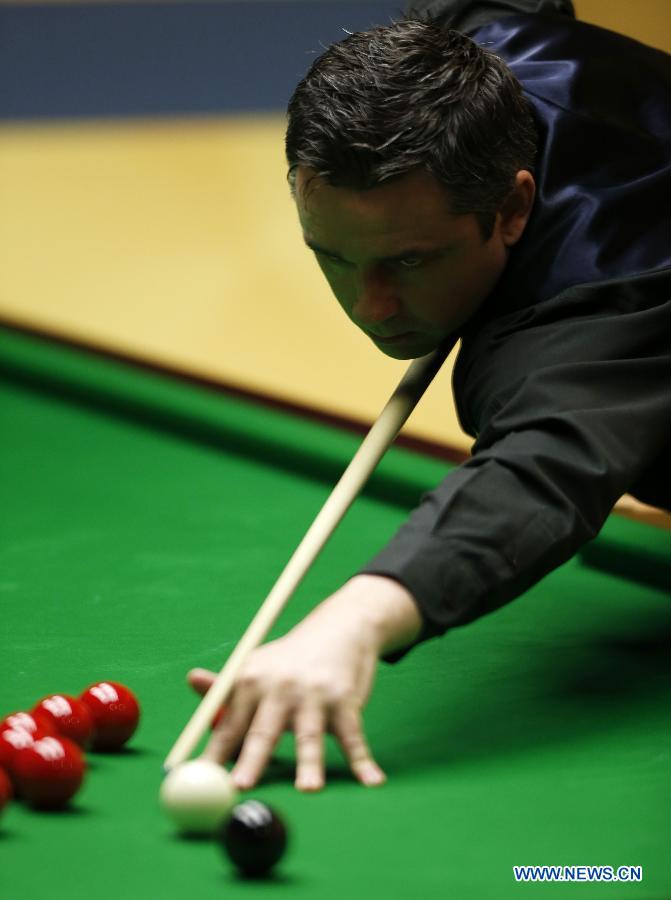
x=405 y=270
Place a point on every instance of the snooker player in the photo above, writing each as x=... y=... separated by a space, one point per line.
x=493 y=172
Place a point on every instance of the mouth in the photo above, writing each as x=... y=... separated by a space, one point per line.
x=394 y=338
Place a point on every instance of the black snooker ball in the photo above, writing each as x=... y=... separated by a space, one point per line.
x=254 y=837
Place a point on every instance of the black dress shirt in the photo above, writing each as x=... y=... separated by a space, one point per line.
x=564 y=375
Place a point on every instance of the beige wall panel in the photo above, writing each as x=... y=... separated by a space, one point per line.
x=648 y=21
x=178 y=242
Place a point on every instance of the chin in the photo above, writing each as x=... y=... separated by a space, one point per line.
x=398 y=353
x=410 y=349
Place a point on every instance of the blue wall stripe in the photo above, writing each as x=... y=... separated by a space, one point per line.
x=158 y=59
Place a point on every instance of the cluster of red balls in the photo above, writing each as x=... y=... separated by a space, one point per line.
x=42 y=751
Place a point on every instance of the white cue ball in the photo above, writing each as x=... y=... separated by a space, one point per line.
x=198 y=795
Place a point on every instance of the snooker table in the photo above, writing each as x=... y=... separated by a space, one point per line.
x=144 y=519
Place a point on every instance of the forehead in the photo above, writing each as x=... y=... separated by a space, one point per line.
x=415 y=207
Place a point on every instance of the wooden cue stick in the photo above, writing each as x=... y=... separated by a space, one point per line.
x=390 y=421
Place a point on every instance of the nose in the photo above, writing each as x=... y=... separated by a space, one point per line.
x=376 y=299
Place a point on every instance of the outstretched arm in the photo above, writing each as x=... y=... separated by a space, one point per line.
x=571 y=403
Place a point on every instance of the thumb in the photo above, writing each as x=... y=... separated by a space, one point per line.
x=200 y=680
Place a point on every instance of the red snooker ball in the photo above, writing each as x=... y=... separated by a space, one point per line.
x=115 y=712
x=12 y=741
x=36 y=723
x=49 y=772
x=6 y=791
x=69 y=716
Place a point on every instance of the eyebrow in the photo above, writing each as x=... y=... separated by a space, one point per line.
x=407 y=254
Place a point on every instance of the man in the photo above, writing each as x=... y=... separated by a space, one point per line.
x=442 y=200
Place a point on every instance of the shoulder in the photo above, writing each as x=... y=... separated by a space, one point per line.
x=562 y=339
x=551 y=55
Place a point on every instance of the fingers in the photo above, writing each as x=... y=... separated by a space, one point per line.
x=253 y=726
x=347 y=727
x=258 y=713
x=200 y=680
x=309 y=727
x=227 y=735
x=265 y=730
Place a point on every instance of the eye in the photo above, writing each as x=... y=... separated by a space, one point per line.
x=410 y=262
x=327 y=257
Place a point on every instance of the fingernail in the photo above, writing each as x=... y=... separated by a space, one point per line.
x=309 y=783
x=242 y=782
x=372 y=776
x=196 y=673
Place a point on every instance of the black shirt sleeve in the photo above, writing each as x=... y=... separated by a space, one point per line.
x=571 y=403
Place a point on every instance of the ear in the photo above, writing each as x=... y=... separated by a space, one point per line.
x=516 y=209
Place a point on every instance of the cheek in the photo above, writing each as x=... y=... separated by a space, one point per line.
x=450 y=299
x=340 y=284
x=473 y=280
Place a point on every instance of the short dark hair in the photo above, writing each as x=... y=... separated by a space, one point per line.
x=413 y=95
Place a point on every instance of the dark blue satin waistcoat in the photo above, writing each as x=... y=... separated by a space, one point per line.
x=602 y=103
